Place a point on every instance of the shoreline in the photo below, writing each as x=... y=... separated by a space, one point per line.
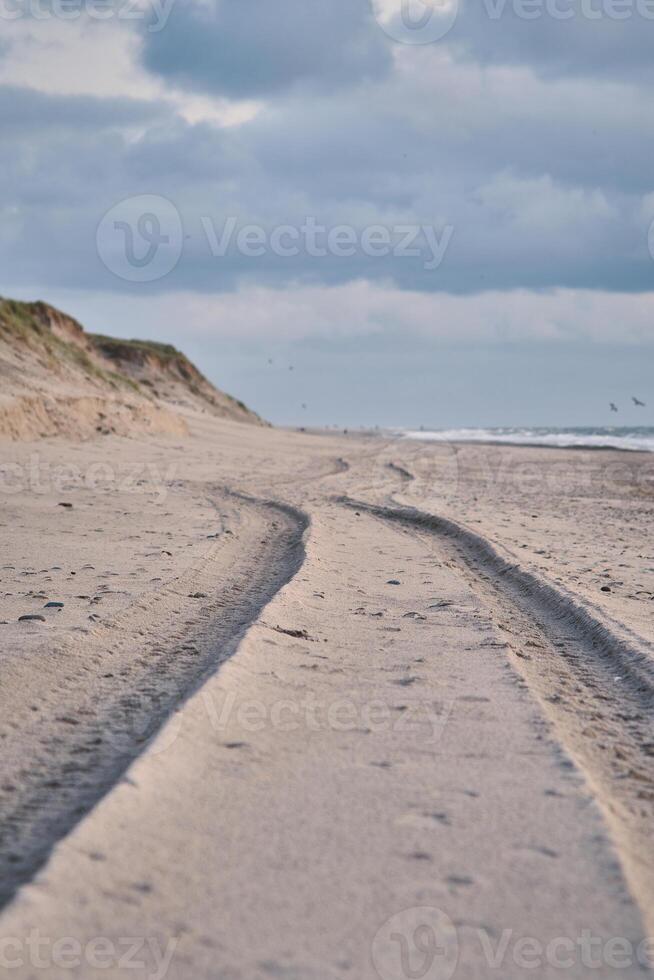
x=536 y=445
x=401 y=436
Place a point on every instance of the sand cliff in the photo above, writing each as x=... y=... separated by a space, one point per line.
x=57 y=379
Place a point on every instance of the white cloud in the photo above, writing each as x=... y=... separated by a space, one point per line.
x=363 y=309
x=100 y=58
x=541 y=206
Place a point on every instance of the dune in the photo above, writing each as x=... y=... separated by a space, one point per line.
x=57 y=379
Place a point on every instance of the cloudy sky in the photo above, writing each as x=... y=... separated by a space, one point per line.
x=386 y=211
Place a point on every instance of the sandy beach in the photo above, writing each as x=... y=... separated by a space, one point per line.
x=325 y=706
x=326 y=490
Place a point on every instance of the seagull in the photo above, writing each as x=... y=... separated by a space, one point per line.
x=614 y=407
x=636 y=401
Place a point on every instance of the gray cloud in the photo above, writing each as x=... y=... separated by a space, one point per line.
x=253 y=48
x=30 y=111
x=525 y=171
x=606 y=38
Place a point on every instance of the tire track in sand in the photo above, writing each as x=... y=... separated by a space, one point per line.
x=92 y=707
x=595 y=680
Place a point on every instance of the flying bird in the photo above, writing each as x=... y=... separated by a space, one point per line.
x=614 y=407
x=636 y=401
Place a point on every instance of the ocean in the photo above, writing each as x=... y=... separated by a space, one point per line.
x=634 y=438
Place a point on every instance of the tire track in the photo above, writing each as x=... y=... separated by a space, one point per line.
x=594 y=680
x=107 y=704
x=400 y=471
